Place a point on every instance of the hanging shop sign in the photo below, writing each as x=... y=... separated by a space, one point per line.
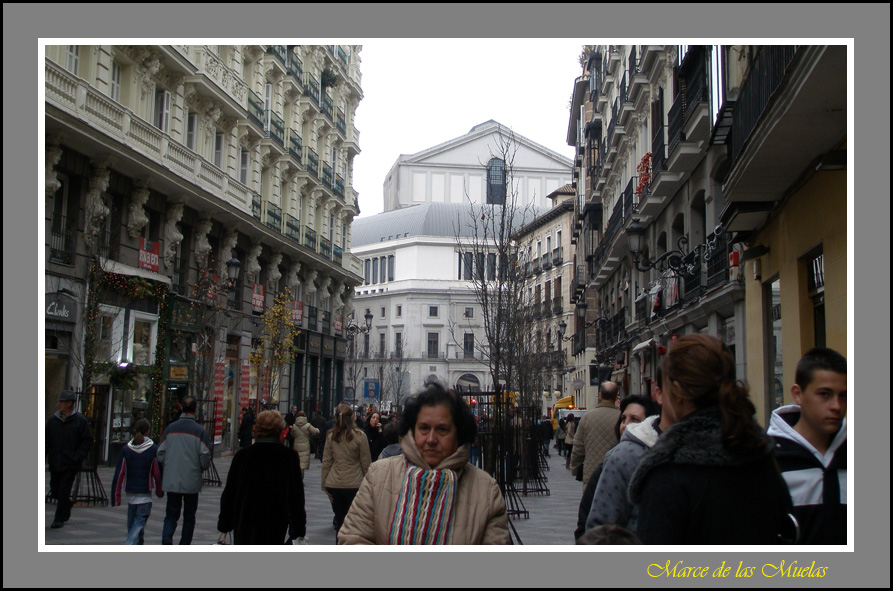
x=219 y=375
x=297 y=312
x=257 y=298
x=339 y=323
x=246 y=383
x=149 y=251
x=179 y=372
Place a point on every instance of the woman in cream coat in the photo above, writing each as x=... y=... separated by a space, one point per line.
x=461 y=504
x=301 y=431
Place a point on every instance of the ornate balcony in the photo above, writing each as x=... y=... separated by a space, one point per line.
x=295 y=147
x=256 y=207
x=292 y=228
x=337 y=254
x=310 y=238
x=325 y=247
x=273 y=216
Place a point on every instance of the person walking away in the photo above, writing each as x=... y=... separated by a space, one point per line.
x=184 y=453
x=561 y=435
x=570 y=427
x=319 y=422
x=636 y=432
x=391 y=439
x=67 y=440
x=263 y=499
x=289 y=423
x=810 y=445
x=546 y=433
x=246 y=428
x=137 y=473
x=711 y=477
x=457 y=502
x=301 y=434
x=595 y=434
x=345 y=462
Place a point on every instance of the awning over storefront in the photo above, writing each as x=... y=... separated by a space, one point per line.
x=122 y=269
x=643 y=345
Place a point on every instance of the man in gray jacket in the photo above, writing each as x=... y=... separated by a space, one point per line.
x=184 y=453
x=595 y=433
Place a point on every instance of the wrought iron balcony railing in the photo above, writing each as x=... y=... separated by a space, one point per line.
x=325 y=247
x=327 y=106
x=658 y=151
x=295 y=67
x=312 y=317
x=311 y=88
x=327 y=174
x=276 y=128
x=294 y=144
x=312 y=162
x=337 y=254
x=546 y=261
x=60 y=240
x=766 y=75
x=718 y=263
x=674 y=124
x=256 y=206
x=292 y=228
x=340 y=122
x=273 y=217
x=338 y=186
x=256 y=108
x=692 y=287
x=277 y=51
x=558 y=255
x=629 y=197
x=310 y=238
x=341 y=55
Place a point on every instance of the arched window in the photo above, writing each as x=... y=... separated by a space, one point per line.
x=496 y=182
x=468 y=383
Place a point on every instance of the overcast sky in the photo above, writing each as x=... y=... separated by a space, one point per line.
x=422 y=92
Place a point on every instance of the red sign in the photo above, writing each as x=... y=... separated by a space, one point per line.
x=297 y=312
x=246 y=383
x=257 y=298
x=338 y=323
x=149 y=254
x=267 y=382
x=209 y=279
x=219 y=373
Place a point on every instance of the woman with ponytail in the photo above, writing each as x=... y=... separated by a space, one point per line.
x=345 y=460
x=711 y=477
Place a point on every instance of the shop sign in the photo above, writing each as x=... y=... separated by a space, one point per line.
x=179 y=372
x=246 y=383
x=314 y=344
x=149 y=251
x=297 y=312
x=219 y=374
x=339 y=322
x=60 y=307
x=257 y=298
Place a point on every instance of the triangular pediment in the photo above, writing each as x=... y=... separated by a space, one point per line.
x=475 y=149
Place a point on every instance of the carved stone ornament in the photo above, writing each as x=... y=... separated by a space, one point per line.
x=324 y=287
x=137 y=218
x=172 y=235
x=226 y=253
x=337 y=293
x=348 y=301
x=96 y=209
x=53 y=155
x=293 y=280
x=202 y=246
x=273 y=273
x=252 y=265
x=310 y=281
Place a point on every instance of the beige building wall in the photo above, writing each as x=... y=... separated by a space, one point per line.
x=815 y=215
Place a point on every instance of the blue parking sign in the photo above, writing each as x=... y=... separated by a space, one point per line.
x=371 y=389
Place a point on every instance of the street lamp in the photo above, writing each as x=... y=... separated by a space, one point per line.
x=353 y=328
x=232 y=272
x=673 y=259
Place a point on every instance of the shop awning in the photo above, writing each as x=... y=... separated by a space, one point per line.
x=122 y=269
x=643 y=345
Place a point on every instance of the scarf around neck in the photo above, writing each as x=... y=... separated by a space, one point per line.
x=424 y=510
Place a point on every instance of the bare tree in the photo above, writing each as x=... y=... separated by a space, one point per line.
x=494 y=260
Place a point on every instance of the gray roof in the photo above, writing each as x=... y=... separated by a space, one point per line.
x=426 y=219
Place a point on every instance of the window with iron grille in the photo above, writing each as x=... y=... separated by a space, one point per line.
x=496 y=182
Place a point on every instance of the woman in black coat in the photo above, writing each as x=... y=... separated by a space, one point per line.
x=264 y=494
x=374 y=434
x=711 y=478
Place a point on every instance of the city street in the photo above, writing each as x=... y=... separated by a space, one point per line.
x=552 y=517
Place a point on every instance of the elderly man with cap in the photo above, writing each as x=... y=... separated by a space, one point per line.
x=68 y=440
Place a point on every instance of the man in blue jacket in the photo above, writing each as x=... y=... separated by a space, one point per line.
x=184 y=453
x=68 y=440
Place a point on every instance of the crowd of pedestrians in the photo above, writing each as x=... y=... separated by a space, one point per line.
x=687 y=465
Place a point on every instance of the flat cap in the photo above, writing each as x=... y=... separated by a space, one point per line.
x=67 y=395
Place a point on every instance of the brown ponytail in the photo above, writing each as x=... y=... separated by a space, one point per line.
x=344 y=425
x=704 y=368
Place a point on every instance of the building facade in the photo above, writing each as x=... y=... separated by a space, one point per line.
x=466 y=169
x=546 y=273
x=664 y=137
x=420 y=256
x=164 y=166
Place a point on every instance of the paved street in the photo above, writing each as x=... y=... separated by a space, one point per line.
x=552 y=517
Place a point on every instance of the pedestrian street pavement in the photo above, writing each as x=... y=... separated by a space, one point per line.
x=552 y=518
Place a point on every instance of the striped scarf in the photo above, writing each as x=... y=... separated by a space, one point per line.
x=424 y=510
